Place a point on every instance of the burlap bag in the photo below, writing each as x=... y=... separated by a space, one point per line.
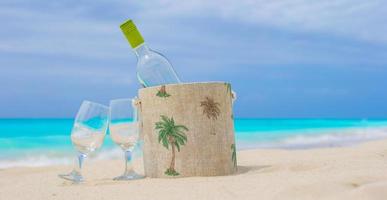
x=188 y=130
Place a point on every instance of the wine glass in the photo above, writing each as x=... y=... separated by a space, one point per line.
x=124 y=131
x=87 y=135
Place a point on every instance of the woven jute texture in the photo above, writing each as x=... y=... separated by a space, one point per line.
x=188 y=130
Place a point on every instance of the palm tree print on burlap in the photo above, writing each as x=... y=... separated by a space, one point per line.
x=171 y=135
x=210 y=108
x=233 y=155
x=163 y=92
x=228 y=88
x=232 y=95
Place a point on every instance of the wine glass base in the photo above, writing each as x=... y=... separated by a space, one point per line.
x=73 y=176
x=129 y=176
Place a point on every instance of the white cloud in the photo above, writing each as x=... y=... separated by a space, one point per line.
x=85 y=29
x=58 y=28
x=363 y=20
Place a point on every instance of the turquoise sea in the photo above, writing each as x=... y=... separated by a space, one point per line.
x=39 y=142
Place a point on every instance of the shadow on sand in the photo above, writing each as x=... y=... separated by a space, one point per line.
x=252 y=169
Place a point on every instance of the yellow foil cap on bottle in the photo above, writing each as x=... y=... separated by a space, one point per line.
x=131 y=33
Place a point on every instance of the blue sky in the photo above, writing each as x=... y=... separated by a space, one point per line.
x=285 y=59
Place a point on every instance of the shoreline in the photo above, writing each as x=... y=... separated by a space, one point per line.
x=356 y=172
x=47 y=143
x=66 y=157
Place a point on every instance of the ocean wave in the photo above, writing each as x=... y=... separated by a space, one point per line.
x=63 y=157
x=34 y=161
x=47 y=155
x=331 y=138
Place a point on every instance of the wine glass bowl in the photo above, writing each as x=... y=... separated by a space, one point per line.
x=125 y=135
x=87 y=135
x=86 y=140
x=124 y=131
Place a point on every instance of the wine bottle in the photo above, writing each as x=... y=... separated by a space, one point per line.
x=152 y=67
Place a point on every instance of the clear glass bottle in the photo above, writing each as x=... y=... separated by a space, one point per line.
x=152 y=67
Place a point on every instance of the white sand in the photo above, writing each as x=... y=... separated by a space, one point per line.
x=358 y=172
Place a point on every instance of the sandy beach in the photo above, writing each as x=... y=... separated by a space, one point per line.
x=357 y=172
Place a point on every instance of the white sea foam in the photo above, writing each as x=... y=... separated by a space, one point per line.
x=61 y=158
x=301 y=140
x=34 y=161
x=331 y=138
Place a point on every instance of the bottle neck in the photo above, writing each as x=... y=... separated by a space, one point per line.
x=141 y=50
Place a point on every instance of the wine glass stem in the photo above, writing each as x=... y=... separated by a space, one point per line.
x=78 y=167
x=128 y=162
